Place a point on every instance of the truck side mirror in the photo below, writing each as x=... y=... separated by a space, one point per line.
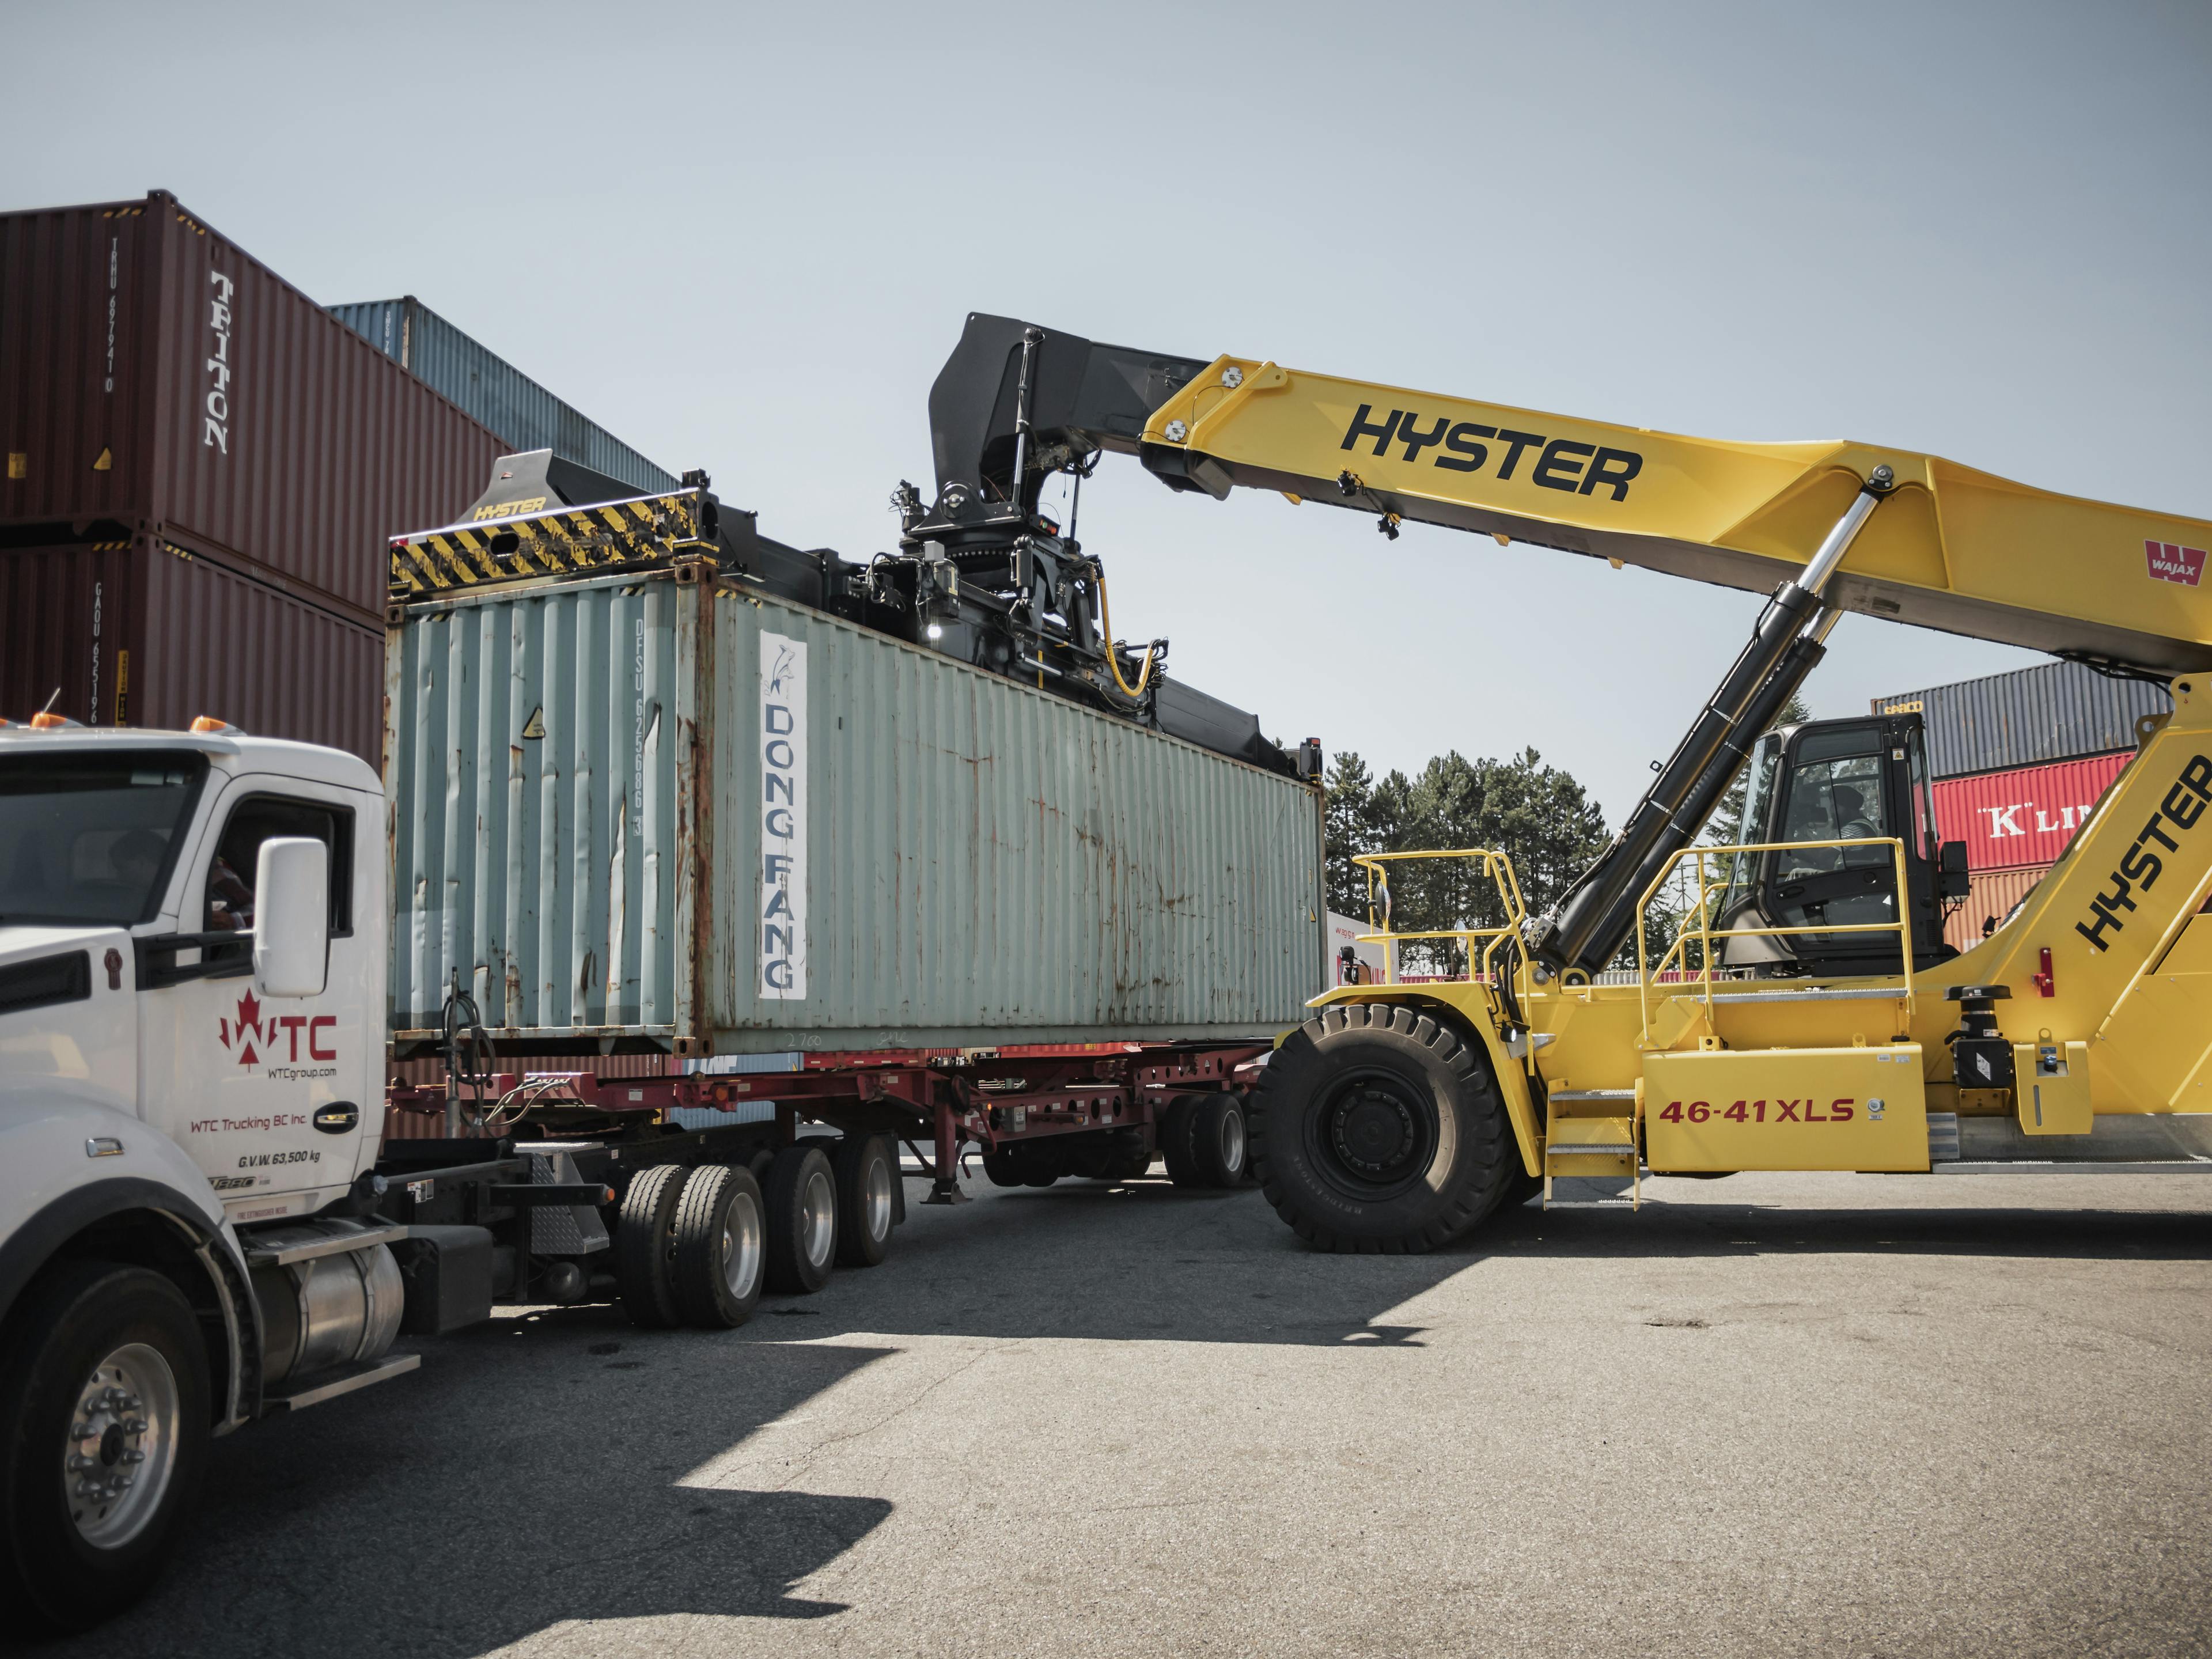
x=292 y=916
x=1951 y=881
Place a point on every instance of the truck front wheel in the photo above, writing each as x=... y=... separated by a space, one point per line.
x=104 y=1429
x=1375 y=1129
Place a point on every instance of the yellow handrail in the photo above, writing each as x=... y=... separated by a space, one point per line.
x=1705 y=933
x=1498 y=867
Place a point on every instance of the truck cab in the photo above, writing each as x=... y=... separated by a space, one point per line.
x=192 y=959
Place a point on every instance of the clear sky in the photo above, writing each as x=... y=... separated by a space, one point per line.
x=744 y=237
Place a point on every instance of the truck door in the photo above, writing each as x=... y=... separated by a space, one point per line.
x=269 y=1094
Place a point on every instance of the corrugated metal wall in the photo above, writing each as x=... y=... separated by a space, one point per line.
x=2058 y=711
x=155 y=373
x=494 y=391
x=1993 y=894
x=151 y=632
x=985 y=862
x=2024 y=817
x=533 y=763
x=987 y=857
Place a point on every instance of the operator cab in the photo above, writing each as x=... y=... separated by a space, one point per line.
x=1827 y=780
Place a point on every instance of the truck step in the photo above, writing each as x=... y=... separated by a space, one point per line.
x=314 y=1390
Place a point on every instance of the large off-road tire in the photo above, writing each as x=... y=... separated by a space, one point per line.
x=721 y=1247
x=1179 y=1142
x=1375 y=1129
x=802 y=1221
x=1219 y=1140
x=868 y=1174
x=103 y=1430
x=645 y=1246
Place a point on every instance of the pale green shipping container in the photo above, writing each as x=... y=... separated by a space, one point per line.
x=663 y=811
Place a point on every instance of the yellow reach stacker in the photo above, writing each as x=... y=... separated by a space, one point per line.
x=1805 y=1012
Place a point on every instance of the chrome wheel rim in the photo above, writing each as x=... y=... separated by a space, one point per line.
x=1232 y=1143
x=122 y=1446
x=742 y=1245
x=878 y=1204
x=818 y=1216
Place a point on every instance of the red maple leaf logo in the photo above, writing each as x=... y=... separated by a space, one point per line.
x=249 y=1021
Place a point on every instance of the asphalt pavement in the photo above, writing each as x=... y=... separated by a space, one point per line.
x=1768 y=1415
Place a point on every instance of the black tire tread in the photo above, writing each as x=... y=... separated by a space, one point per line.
x=644 y=1246
x=696 y=1268
x=789 y=1272
x=1474 y=1205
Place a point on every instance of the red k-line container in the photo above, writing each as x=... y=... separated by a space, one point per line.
x=155 y=378
x=2009 y=820
x=142 y=631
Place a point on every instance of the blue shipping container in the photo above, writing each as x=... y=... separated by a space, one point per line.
x=494 y=391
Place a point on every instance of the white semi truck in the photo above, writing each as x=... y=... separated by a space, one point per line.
x=196 y=1216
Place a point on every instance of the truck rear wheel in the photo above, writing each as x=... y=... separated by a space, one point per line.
x=802 y=1221
x=721 y=1247
x=1178 y=1140
x=104 y=1428
x=867 y=1176
x=1219 y=1140
x=1375 y=1129
x=645 y=1246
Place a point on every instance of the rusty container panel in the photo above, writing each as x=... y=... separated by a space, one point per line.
x=148 y=632
x=1993 y=895
x=653 y=811
x=2027 y=816
x=154 y=375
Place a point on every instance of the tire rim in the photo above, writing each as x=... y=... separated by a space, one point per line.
x=817 y=1217
x=1232 y=1143
x=122 y=1446
x=1372 y=1134
x=877 y=1199
x=742 y=1247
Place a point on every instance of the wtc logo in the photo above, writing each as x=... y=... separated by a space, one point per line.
x=251 y=1027
x=2170 y=563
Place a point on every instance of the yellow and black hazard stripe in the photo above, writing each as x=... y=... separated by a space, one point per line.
x=566 y=541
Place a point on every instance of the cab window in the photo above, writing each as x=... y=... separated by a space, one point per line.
x=231 y=874
x=1835 y=797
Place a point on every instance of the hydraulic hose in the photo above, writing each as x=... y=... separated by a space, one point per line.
x=1113 y=657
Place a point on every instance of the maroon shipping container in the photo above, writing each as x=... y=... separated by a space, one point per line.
x=145 y=632
x=155 y=376
x=2024 y=817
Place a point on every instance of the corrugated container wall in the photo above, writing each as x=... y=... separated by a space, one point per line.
x=1991 y=900
x=155 y=376
x=2024 y=817
x=146 y=632
x=524 y=413
x=669 y=810
x=2058 y=711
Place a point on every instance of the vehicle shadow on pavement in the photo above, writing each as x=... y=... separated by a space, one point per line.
x=544 y=1489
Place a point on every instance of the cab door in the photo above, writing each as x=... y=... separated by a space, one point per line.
x=269 y=1094
x=1849 y=781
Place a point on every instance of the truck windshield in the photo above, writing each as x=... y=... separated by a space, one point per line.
x=91 y=838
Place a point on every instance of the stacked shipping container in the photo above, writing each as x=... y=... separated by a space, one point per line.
x=2021 y=760
x=201 y=469
x=493 y=391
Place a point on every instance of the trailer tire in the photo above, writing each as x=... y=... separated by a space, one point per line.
x=1220 y=1144
x=645 y=1246
x=802 y=1221
x=1178 y=1147
x=1126 y=1158
x=868 y=1182
x=721 y=1247
x=1003 y=1168
x=1375 y=1129
x=66 y=1567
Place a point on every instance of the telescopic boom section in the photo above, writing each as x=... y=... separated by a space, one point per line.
x=1929 y=542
